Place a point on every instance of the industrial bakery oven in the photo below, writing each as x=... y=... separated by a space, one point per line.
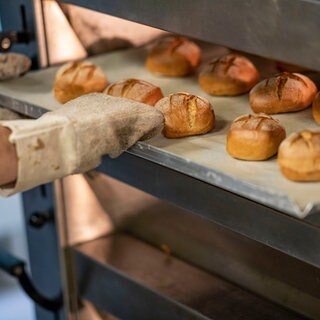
x=166 y=231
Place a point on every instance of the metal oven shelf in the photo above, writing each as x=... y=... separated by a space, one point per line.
x=215 y=195
x=295 y=237
x=132 y=280
x=284 y=29
x=202 y=157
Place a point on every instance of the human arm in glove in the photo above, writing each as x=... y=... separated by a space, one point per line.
x=71 y=139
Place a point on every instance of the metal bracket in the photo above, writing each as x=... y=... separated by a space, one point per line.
x=16 y=268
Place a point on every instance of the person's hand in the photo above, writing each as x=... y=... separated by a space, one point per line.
x=8 y=158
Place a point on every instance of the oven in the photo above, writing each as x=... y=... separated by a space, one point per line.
x=156 y=234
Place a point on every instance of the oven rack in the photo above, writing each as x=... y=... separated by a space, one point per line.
x=138 y=281
x=251 y=210
x=285 y=30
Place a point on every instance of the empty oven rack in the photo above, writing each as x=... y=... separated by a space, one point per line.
x=133 y=280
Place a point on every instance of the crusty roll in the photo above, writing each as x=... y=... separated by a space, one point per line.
x=254 y=137
x=173 y=57
x=285 y=92
x=228 y=75
x=299 y=156
x=135 y=89
x=12 y=65
x=186 y=115
x=75 y=79
x=316 y=108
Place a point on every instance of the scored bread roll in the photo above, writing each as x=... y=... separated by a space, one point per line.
x=254 y=137
x=186 y=115
x=173 y=57
x=299 y=156
x=285 y=92
x=229 y=75
x=75 y=79
x=135 y=89
x=316 y=108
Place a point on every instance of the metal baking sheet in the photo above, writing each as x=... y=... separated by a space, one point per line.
x=203 y=157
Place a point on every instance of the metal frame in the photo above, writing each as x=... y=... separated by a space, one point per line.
x=139 y=282
x=283 y=30
x=43 y=247
x=292 y=236
x=11 y=21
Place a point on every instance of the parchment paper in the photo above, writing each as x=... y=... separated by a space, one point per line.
x=260 y=181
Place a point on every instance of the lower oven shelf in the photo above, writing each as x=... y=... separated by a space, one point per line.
x=133 y=280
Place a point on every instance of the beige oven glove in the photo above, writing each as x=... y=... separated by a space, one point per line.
x=73 y=138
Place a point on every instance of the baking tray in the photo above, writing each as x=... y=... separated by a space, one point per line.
x=203 y=157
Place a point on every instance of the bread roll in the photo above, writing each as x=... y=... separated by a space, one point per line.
x=135 y=89
x=173 y=57
x=254 y=137
x=299 y=156
x=285 y=92
x=228 y=75
x=186 y=115
x=316 y=108
x=75 y=79
x=12 y=65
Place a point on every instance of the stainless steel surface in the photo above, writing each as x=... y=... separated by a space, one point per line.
x=284 y=29
x=58 y=33
x=137 y=281
x=24 y=108
x=257 y=267
x=44 y=250
x=293 y=236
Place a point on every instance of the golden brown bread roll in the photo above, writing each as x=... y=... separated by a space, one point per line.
x=285 y=92
x=135 y=89
x=75 y=79
x=173 y=57
x=299 y=156
x=229 y=75
x=316 y=108
x=186 y=115
x=254 y=137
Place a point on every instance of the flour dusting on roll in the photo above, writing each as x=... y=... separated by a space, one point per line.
x=299 y=156
x=75 y=79
x=228 y=75
x=285 y=92
x=135 y=89
x=254 y=137
x=186 y=115
x=173 y=57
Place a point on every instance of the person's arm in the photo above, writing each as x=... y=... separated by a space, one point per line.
x=8 y=158
x=71 y=139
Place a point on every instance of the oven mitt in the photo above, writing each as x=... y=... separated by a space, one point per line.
x=73 y=138
x=12 y=65
x=6 y=114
